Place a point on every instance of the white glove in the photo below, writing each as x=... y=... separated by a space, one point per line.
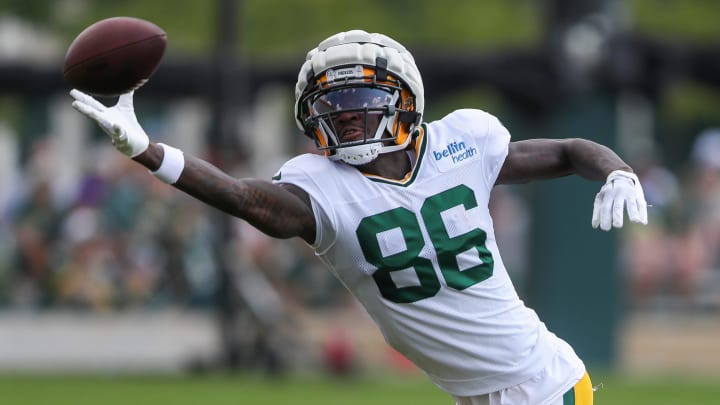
x=622 y=189
x=118 y=121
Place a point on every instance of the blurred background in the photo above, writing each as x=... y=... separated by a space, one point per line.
x=105 y=270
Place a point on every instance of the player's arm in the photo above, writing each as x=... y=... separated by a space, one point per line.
x=550 y=158
x=281 y=211
x=537 y=159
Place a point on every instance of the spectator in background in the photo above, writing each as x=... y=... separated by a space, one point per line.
x=699 y=253
x=35 y=227
x=649 y=251
x=94 y=251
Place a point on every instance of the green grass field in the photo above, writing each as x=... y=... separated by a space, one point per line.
x=230 y=389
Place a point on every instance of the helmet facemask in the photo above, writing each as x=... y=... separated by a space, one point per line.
x=367 y=96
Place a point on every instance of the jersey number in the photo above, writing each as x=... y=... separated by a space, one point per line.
x=377 y=227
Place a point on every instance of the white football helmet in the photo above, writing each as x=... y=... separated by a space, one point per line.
x=359 y=72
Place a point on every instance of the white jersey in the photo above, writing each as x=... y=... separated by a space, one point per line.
x=420 y=255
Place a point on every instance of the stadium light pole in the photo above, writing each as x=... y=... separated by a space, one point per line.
x=243 y=330
x=226 y=93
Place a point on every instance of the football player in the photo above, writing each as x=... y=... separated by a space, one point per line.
x=397 y=208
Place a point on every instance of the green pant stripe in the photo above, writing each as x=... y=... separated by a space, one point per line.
x=569 y=397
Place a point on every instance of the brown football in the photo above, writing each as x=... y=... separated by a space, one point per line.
x=114 y=56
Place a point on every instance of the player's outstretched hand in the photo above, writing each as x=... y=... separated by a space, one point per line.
x=118 y=121
x=622 y=189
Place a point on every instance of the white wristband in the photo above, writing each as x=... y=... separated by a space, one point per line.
x=171 y=166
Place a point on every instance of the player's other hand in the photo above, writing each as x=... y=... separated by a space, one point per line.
x=622 y=189
x=118 y=121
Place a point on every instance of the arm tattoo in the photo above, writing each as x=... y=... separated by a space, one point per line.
x=272 y=209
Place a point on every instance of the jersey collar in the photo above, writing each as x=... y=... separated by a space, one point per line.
x=420 y=143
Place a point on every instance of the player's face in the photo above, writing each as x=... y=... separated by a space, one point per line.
x=354 y=126
x=355 y=112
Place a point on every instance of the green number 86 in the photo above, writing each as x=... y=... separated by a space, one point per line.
x=447 y=248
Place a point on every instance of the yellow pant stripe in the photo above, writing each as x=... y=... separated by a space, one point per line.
x=581 y=393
